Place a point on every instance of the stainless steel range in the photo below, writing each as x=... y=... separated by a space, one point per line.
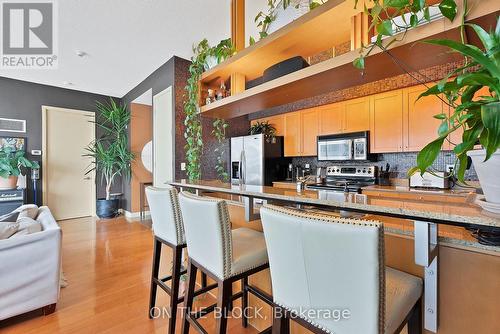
x=347 y=178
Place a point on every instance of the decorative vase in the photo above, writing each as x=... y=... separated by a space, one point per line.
x=210 y=62
x=8 y=183
x=487 y=173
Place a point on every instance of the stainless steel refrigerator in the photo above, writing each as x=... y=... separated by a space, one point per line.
x=257 y=161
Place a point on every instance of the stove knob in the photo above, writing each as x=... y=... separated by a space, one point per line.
x=369 y=171
x=359 y=170
x=364 y=170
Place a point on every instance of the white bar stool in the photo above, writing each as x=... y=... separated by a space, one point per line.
x=336 y=266
x=226 y=256
x=168 y=229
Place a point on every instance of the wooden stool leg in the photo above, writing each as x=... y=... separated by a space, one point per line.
x=415 y=321
x=281 y=323
x=176 y=276
x=189 y=296
x=244 y=302
x=203 y=280
x=154 y=274
x=223 y=301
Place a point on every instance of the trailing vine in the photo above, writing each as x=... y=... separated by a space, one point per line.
x=193 y=131
x=219 y=131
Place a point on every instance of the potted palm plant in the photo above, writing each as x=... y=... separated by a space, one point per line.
x=111 y=156
x=478 y=117
x=12 y=164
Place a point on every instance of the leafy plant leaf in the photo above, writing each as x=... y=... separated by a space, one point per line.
x=428 y=154
x=490 y=115
x=359 y=63
x=449 y=9
x=385 y=28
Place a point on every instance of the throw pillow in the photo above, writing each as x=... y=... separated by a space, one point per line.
x=30 y=211
x=7 y=229
x=27 y=226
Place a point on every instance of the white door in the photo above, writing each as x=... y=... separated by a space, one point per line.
x=66 y=190
x=163 y=138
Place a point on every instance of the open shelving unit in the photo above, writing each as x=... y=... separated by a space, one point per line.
x=313 y=33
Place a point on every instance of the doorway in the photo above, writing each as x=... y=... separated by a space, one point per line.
x=163 y=138
x=67 y=191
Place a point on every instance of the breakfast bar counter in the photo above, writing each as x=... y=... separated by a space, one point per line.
x=424 y=215
x=463 y=213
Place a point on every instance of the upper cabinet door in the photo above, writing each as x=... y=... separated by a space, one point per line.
x=331 y=118
x=420 y=126
x=310 y=130
x=386 y=122
x=292 y=134
x=357 y=115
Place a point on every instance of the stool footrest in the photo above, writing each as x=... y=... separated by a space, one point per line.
x=267 y=298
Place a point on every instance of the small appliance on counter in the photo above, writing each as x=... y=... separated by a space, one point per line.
x=353 y=146
x=255 y=161
x=11 y=200
x=439 y=180
x=347 y=178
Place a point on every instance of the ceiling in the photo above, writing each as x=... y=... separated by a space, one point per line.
x=125 y=40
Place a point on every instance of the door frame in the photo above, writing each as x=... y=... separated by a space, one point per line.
x=168 y=90
x=90 y=114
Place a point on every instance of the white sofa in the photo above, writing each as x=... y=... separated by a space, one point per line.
x=30 y=269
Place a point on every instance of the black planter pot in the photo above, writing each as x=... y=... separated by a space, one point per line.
x=107 y=208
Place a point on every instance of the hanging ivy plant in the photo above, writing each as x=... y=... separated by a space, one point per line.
x=219 y=132
x=193 y=131
x=192 y=121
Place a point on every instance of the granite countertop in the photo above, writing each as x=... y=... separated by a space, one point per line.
x=459 y=214
x=405 y=189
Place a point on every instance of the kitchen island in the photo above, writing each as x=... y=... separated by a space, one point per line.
x=421 y=244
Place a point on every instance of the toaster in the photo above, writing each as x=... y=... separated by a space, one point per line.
x=438 y=180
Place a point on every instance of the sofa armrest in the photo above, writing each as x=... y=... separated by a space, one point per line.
x=29 y=271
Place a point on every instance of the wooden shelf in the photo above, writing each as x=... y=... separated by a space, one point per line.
x=308 y=35
x=336 y=73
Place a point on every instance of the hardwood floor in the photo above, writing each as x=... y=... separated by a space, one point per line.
x=108 y=265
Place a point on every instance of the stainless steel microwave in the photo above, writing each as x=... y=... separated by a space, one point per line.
x=344 y=147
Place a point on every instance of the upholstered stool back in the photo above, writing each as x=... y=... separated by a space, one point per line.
x=166 y=214
x=208 y=233
x=321 y=262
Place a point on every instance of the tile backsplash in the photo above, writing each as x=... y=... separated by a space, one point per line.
x=399 y=163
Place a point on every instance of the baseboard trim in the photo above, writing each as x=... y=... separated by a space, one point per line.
x=135 y=215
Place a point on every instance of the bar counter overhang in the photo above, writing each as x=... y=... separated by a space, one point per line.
x=425 y=217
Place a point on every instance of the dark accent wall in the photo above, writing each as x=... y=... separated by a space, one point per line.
x=24 y=100
x=159 y=80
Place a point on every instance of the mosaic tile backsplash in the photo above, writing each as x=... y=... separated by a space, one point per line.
x=399 y=163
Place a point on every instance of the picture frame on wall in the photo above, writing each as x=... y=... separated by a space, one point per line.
x=18 y=143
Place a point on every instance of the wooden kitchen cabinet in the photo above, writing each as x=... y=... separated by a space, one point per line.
x=277 y=121
x=331 y=118
x=301 y=131
x=357 y=115
x=309 y=121
x=292 y=134
x=386 y=122
x=420 y=127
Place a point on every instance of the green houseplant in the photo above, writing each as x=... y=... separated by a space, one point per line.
x=12 y=164
x=478 y=117
x=111 y=156
x=267 y=129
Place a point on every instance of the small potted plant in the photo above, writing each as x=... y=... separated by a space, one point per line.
x=12 y=164
x=267 y=129
x=217 y=54
x=110 y=153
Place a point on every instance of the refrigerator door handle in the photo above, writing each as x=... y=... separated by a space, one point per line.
x=243 y=166
x=240 y=168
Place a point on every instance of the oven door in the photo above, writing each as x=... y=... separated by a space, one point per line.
x=339 y=149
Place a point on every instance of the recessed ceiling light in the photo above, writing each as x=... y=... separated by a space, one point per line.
x=80 y=53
